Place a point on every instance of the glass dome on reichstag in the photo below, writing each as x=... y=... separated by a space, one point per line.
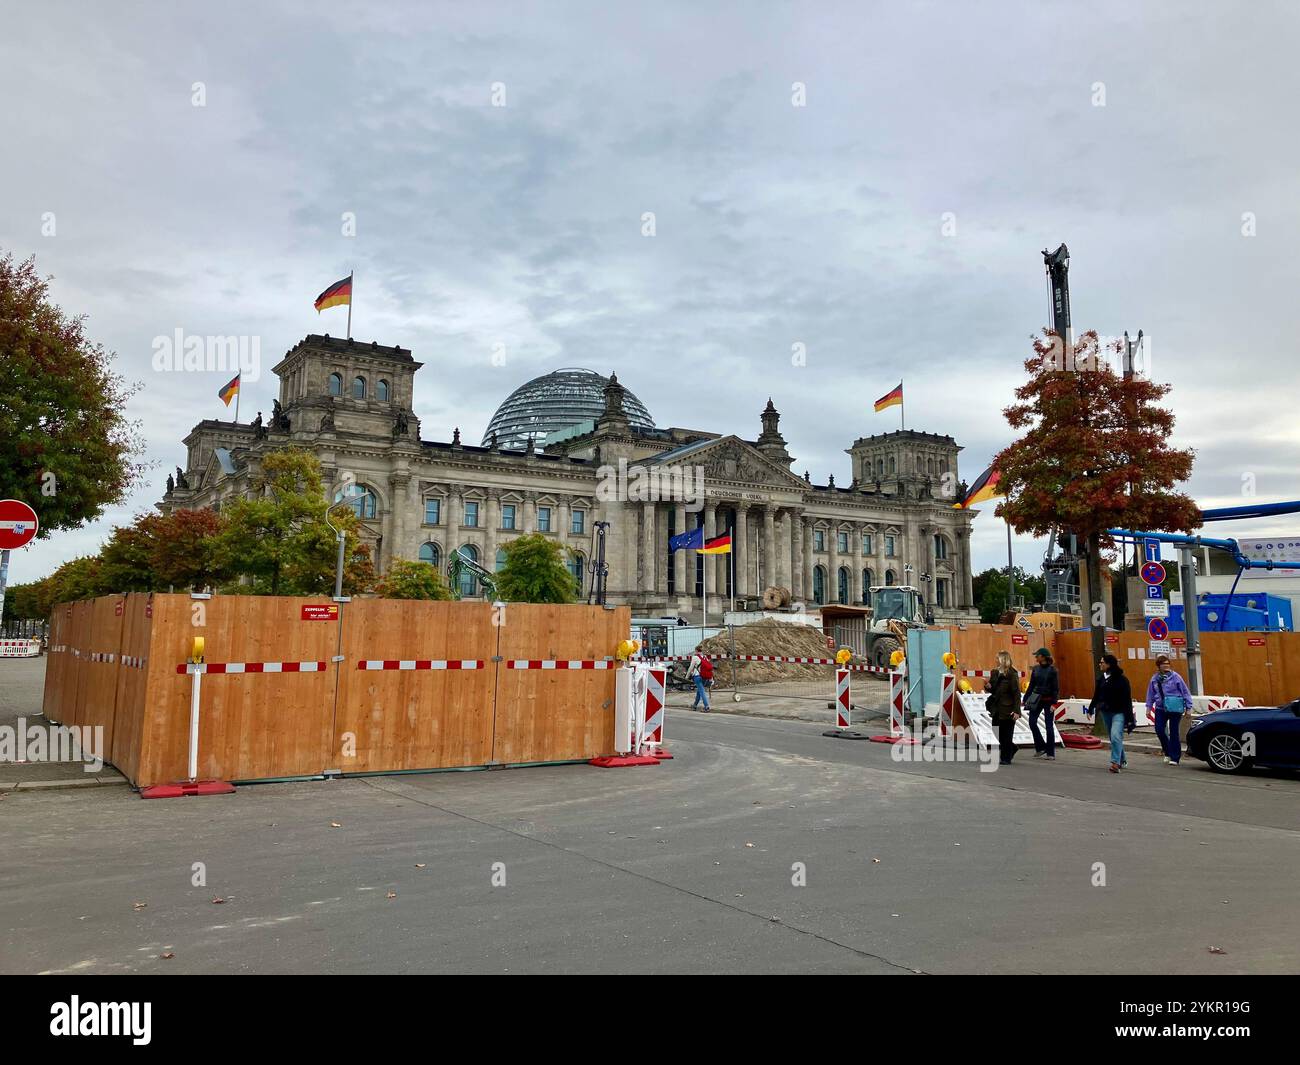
x=560 y=400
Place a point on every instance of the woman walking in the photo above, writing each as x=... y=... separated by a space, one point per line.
x=1113 y=700
x=1043 y=692
x=1004 y=705
x=1168 y=697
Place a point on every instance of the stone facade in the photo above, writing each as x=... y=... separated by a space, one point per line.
x=351 y=403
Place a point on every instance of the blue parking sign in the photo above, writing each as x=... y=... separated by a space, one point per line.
x=1154 y=592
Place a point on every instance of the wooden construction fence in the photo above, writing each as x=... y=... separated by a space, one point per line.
x=295 y=701
x=1261 y=668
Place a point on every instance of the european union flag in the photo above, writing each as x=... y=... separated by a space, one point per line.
x=687 y=541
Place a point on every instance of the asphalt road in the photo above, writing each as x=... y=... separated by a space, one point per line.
x=689 y=866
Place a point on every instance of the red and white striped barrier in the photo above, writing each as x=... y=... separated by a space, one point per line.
x=842 y=699
x=897 y=701
x=560 y=663
x=984 y=673
x=656 y=679
x=947 y=703
x=419 y=663
x=134 y=661
x=250 y=667
x=102 y=656
x=19 y=648
x=782 y=658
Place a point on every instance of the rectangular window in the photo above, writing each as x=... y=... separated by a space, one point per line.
x=471 y=512
x=508 y=516
x=579 y=524
x=842 y=543
x=432 y=511
x=889 y=547
x=543 y=519
x=866 y=543
x=819 y=540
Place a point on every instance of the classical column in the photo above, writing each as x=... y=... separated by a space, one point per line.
x=808 y=560
x=660 y=549
x=679 y=557
x=965 y=579
x=712 y=570
x=783 y=575
x=833 y=564
x=741 y=548
x=855 y=573
x=452 y=518
x=769 y=545
x=931 y=564
x=399 y=515
x=530 y=512
x=492 y=518
x=796 y=556
x=649 y=548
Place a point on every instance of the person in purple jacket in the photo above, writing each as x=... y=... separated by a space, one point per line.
x=1168 y=697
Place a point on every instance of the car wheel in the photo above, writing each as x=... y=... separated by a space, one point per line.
x=1225 y=754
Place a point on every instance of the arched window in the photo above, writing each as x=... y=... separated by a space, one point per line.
x=336 y=384
x=842 y=587
x=363 y=500
x=429 y=553
x=819 y=584
x=940 y=546
x=867 y=582
x=381 y=391
x=358 y=388
x=468 y=582
x=880 y=467
x=578 y=566
x=501 y=559
x=889 y=577
x=891 y=463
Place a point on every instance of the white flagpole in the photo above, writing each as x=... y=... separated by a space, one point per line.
x=239 y=387
x=705 y=624
x=732 y=555
x=902 y=407
x=351 y=297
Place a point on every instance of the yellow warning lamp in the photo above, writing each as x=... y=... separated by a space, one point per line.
x=896 y=659
x=842 y=656
x=949 y=659
x=196 y=654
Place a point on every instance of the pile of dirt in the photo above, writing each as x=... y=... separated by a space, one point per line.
x=771 y=637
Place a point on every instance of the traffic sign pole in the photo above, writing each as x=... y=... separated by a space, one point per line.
x=18 y=525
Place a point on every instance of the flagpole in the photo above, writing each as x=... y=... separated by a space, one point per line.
x=732 y=555
x=351 y=297
x=902 y=406
x=705 y=624
x=238 y=389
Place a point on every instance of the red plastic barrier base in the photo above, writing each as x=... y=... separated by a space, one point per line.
x=1081 y=740
x=661 y=754
x=622 y=761
x=189 y=787
x=893 y=739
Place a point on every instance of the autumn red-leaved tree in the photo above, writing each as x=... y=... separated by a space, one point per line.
x=1092 y=455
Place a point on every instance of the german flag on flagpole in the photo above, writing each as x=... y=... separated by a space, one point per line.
x=719 y=545
x=336 y=295
x=230 y=390
x=984 y=489
x=890 y=399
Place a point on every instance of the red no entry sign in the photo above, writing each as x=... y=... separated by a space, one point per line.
x=1153 y=573
x=18 y=524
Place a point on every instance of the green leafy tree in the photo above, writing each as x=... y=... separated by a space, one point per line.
x=535 y=572
x=78 y=579
x=990 y=590
x=412 y=580
x=183 y=550
x=66 y=447
x=1092 y=455
x=280 y=540
x=125 y=561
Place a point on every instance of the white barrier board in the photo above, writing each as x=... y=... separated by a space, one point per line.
x=972 y=705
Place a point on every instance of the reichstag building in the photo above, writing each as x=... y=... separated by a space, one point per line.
x=540 y=466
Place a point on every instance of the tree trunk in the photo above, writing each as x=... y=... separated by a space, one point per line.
x=1096 y=608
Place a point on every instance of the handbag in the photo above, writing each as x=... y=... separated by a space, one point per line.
x=1174 y=704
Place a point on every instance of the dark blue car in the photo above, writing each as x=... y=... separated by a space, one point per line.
x=1232 y=741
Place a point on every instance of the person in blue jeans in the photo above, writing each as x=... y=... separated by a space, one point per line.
x=1113 y=699
x=1168 y=697
x=1040 y=697
x=701 y=672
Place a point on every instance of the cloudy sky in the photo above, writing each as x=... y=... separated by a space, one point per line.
x=1149 y=137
